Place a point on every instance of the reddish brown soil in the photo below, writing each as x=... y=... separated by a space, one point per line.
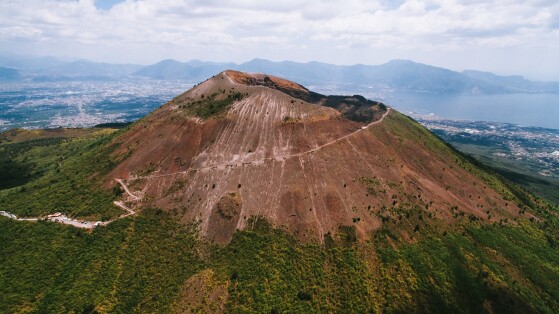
x=252 y=161
x=253 y=78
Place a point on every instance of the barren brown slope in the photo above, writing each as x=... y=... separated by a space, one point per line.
x=240 y=145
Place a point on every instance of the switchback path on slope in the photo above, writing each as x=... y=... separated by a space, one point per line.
x=80 y=223
x=134 y=197
x=85 y=224
x=259 y=161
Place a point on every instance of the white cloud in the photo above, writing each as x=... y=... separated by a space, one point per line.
x=20 y=32
x=169 y=28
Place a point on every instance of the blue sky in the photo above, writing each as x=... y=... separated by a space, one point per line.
x=502 y=36
x=106 y=4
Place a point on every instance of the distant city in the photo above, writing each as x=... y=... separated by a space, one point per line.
x=538 y=148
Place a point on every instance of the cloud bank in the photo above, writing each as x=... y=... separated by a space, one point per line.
x=503 y=35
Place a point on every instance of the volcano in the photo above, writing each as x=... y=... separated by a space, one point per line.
x=251 y=193
x=240 y=147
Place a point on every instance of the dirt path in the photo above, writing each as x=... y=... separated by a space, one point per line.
x=134 y=197
x=65 y=220
x=59 y=218
x=85 y=224
x=338 y=139
x=259 y=161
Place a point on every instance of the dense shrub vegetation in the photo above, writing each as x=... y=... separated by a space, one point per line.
x=212 y=105
x=132 y=265
x=24 y=161
x=143 y=263
x=140 y=264
x=44 y=176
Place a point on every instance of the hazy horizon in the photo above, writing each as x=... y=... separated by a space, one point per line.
x=503 y=37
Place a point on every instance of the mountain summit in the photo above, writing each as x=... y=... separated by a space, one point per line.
x=243 y=145
x=251 y=193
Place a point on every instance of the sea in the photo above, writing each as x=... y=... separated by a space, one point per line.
x=526 y=110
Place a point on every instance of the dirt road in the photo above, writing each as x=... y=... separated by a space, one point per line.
x=259 y=161
x=80 y=223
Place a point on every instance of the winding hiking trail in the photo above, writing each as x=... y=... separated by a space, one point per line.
x=134 y=197
x=80 y=223
x=260 y=161
x=85 y=224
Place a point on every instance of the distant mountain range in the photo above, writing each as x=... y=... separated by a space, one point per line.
x=8 y=74
x=402 y=75
x=53 y=69
x=514 y=83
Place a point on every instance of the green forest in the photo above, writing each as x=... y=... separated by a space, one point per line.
x=150 y=263
x=141 y=264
